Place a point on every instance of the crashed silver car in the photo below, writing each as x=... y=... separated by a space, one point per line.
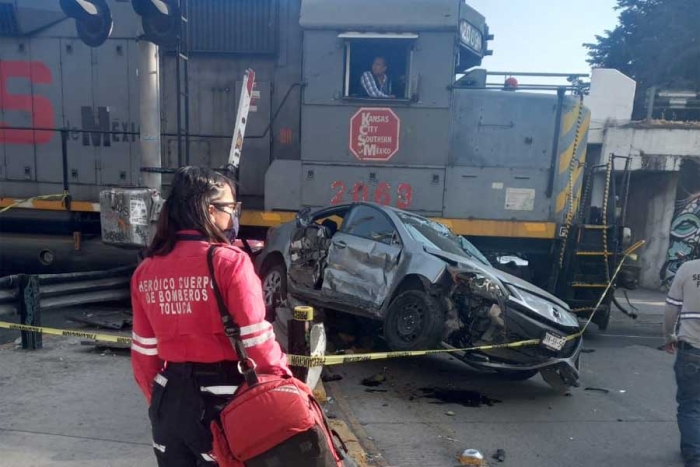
x=428 y=286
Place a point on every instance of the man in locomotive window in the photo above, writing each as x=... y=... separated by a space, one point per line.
x=375 y=82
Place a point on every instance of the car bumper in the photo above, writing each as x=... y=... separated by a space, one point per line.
x=521 y=326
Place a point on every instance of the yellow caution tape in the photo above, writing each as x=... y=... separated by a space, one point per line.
x=67 y=333
x=325 y=360
x=310 y=362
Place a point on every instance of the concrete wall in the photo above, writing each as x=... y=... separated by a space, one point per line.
x=650 y=212
x=654 y=147
x=657 y=150
x=611 y=100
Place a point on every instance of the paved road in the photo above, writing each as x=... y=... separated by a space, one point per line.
x=69 y=405
x=632 y=424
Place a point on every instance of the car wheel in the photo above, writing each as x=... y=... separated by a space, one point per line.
x=414 y=321
x=274 y=283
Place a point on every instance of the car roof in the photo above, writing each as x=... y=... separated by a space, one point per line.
x=382 y=207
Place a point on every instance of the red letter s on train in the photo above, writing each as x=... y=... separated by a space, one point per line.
x=38 y=107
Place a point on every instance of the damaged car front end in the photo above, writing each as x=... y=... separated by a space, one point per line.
x=498 y=312
x=426 y=286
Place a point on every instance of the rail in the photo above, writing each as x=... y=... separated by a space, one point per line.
x=30 y=295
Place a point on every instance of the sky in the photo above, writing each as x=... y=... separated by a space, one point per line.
x=543 y=35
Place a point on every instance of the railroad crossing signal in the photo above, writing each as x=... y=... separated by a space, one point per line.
x=161 y=20
x=93 y=19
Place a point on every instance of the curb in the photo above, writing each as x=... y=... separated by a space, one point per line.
x=320 y=392
x=351 y=431
x=355 y=449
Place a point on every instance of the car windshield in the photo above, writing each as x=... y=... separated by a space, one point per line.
x=438 y=236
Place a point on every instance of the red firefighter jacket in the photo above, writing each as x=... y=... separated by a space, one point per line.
x=176 y=318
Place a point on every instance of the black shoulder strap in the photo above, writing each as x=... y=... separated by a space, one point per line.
x=245 y=365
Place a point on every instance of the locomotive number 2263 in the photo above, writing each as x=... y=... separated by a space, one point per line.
x=401 y=195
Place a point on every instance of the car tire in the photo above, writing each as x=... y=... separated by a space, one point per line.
x=274 y=281
x=414 y=321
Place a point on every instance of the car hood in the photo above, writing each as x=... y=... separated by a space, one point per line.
x=501 y=275
x=526 y=286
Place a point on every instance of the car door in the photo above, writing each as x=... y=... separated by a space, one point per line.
x=363 y=259
x=308 y=248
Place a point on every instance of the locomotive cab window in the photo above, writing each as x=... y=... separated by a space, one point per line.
x=378 y=66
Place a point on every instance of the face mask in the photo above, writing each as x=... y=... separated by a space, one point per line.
x=232 y=233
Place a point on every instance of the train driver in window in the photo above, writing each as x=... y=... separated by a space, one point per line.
x=376 y=82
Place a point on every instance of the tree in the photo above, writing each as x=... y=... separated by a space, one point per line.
x=657 y=43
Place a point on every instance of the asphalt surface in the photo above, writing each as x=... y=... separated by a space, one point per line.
x=72 y=405
x=622 y=415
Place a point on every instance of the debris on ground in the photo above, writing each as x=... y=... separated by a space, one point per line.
x=604 y=391
x=329 y=377
x=450 y=413
x=463 y=397
x=472 y=457
x=101 y=346
x=375 y=390
x=374 y=380
x=587 y=350
x=115 y=320
x=499 y=455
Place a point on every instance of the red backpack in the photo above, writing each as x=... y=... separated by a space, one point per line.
x=272 y=420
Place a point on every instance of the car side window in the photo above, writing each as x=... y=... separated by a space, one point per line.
x=368 y=222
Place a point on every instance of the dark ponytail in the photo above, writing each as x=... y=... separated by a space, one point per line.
x=187 y=208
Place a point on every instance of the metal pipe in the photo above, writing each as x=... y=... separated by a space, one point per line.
x=8 y=295
x=545 y=75
x=64 y=158
x=8 y=309
x=178 y=106
x=77 y=288
x=555 y=143
x=651 y=96
x=186 y=77
x=106 y=132
x=9 y=282
x=47 y=279
x=627 y=181
x=83 y=299
x=149 y=112
x=531 y=87
x=64 y=164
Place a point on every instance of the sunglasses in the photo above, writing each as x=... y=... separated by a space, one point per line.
x=235 y=205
